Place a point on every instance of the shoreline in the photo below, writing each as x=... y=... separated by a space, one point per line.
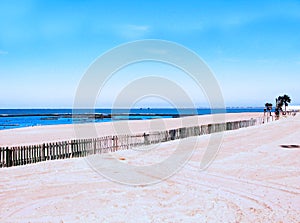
x=19 y=118
x=63 y=132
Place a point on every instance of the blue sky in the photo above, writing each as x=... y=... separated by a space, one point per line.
x=252 y=47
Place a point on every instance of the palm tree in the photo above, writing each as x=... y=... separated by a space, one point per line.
x=268 y=107
x=279 y=103
x=282 y=100
x=286 y=100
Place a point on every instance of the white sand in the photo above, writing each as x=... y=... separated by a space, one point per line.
x=253 y=179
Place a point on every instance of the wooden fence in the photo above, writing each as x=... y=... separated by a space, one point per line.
x=22 y=155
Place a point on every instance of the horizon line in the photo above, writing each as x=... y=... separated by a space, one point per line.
x=143 y=108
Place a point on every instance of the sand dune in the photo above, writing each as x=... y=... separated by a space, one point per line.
x=254 y=178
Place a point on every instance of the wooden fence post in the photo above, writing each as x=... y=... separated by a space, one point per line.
x=43 y=158
x=71 y=148
x=172 y=134
x=146 y=139
x=1 y=156
x=15 y=156
x=8 y=157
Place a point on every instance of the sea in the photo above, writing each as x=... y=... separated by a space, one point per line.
x=20 y=118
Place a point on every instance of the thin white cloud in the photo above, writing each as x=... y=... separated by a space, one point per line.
x=138 y=28
x=134 y=31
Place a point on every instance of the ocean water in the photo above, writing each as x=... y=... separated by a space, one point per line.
x=18 y=118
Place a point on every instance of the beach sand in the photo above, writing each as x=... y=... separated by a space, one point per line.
x=254 y=178
x=54 y=133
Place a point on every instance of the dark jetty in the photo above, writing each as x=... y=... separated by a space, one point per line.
x=92 y=116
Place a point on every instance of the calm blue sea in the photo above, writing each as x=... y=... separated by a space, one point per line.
x=18 y=118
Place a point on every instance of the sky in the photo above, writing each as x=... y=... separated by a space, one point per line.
x=252 y=48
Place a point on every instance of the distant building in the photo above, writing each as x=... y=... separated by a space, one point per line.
x=293 y=108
